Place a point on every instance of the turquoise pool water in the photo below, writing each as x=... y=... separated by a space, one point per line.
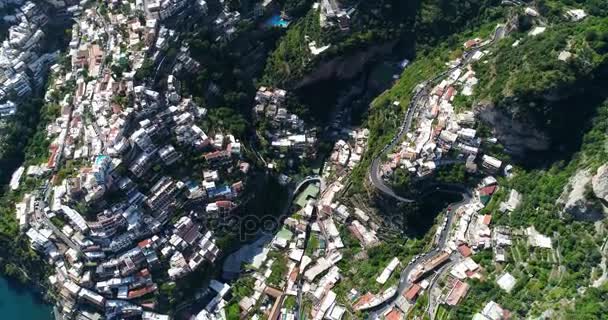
x=277 y=21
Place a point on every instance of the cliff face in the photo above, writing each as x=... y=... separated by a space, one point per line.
x=600 y=184
x=518 y=136
x=584 y=197
x=344 y=67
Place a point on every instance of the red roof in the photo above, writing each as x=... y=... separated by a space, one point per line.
x=486 y=219
x=449 y=93
x=216 y=155
x=464 y=250
x=51 y=162
x=364 y=299
x=355 y=233
x=225 y=204
x=293 y=276
x=141 y=292
x=325 y=209
x=144 y=243
x=412 y=292
x=393 y=315
x=486 y=191
x=471 y=43
x=458 y=292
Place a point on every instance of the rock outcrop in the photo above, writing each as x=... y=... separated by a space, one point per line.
x=600 y=184
x=517 y=136
x=577 y=201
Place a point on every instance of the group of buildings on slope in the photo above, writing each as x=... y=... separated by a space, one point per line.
x=106 y=216
x=287 y=135
x=297 y=270
x=23 y=60
x=441 y=130
x=443 y=275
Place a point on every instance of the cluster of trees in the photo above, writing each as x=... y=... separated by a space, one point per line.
x=531 y=83
x=452 y=174
x=554 y=9
x=421 y=24
x=23 y=138
x=15 y=131
x=290 y=60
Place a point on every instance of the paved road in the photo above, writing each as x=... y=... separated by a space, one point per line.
x=42 y=218
x=404 y=282
x=420 y=95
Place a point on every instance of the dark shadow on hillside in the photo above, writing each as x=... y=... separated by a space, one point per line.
x=413 y=220
x=565 y=116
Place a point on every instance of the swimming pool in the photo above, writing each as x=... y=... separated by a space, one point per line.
x=277 y=21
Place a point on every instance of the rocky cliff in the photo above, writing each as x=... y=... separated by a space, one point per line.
x=345 y=67
x=584 y=197
x=600 y=184
x=517 y=135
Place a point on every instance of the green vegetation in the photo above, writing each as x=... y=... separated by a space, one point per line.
x=384 y=118
x=452 y=174
x=290 y=60
x=12 y=133
x=419 y=309
x=279 y=269
x=313 y=244
x=15 y=146
x=545 y=277
x=376 y=23
x=533 y=85
x=360 y=268
x=442 y=313
x=69 y=170
x=290 y=303
x=242 y=287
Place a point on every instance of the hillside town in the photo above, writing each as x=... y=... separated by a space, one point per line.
x=111 y=253
x=444 y=134
x=286 y=133
x=105 y=216
x=154 y=188
x=23 y=62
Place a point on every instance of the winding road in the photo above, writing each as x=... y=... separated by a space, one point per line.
x=420 y=95
x=379 y=183
x=404 y=282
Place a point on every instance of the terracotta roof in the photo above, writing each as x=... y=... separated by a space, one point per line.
x=273 y=292
x=225 y=204
x=293 y=276
x=464 y=250
x=364 y=299
x=471 y=43
x=144 y=243
x=458 y=292
x=412 y=292
x=449 y=93
x=394 y=315
x=486 y=219
x=326 y=209
x=141 y=292
x=486 y=191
